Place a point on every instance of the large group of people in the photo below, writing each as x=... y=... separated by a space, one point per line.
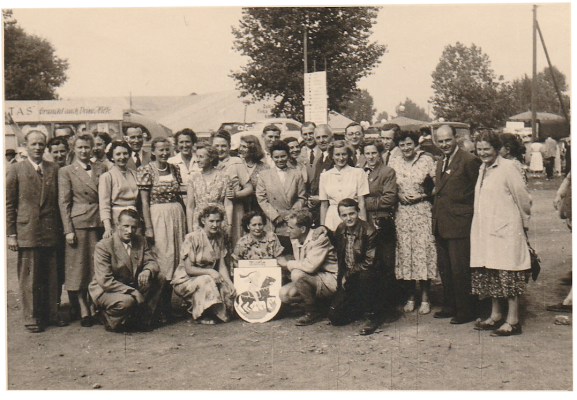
x=359 y=226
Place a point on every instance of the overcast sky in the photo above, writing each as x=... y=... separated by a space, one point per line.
x=176 y=51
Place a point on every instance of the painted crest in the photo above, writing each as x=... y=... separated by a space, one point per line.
x=257 y=284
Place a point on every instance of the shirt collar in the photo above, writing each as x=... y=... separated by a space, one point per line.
x=453 y=154
x=81 y=164
x=34 y=165
x=281 y=170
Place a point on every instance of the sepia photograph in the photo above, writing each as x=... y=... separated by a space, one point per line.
x=254 y=197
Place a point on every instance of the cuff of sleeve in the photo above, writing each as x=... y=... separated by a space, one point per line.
x=291 y=264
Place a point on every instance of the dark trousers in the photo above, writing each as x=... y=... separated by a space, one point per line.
x=453 y=259
x=549 y=164
x=38 y=281
x=359 y=295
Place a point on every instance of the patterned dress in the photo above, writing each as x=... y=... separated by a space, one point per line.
x=250 y=248
x=416 y=255
x=251 y=204
x=205 y=193
x=202 y=292
x=236 y=170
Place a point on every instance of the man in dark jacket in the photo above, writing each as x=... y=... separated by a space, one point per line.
x=357 y=279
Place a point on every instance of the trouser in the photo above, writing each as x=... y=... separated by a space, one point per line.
x=38 y=281
x=60 y=268
x=120 y=308
x=549 y=164
x=358 y=295
x=453 y=260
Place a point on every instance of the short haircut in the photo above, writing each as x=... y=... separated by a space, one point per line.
x=104 y=136
x=186 y=132
x=339 y=144
x=253 y=145
x=372 y=142
x=129 y=212
x=156 y=141
x=67 y=127
x=271 y=128
x=490 y=137
x=210 y=151
x=453 y=129
x=245 y=222
x=57 y=141
x=290 y=139
x=302 y=218
x=87 y=137
x=307 y=124
x=403 y=135
x=391 y=127
x=348 y=203
x=222 y=134
x=34 y=131
x=352 y=124
x=279 y=145
x=209 y=210
x=117 y=143
x=325 y=128
x=132 y=127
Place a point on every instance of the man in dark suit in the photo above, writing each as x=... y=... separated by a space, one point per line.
x=310 y=152
x=34 y=230
x=454 y=194
x=135 y=139
x=324 y=139
x=354 y=136
x=127 y=281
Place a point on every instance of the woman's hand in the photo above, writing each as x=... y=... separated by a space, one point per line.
x=149 y=233
x=13 y=243
x=230 y=193
x=107 y=233
x=216 y=276
x=71 y=238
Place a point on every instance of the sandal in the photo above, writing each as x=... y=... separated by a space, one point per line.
x=515 y=330
x=409 y=306
x=425 y=308
x=486 y=325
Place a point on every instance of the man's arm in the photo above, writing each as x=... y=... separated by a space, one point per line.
x=11 y=199
x=301 y=193
x=263 y=201
x=387 y=199
x=315 y=256
x=65 y=200
x=103 y=272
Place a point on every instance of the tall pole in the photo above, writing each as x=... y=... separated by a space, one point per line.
x=305 y=50
x=534 y=82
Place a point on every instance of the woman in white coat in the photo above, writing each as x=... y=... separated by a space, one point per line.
x=499 y=253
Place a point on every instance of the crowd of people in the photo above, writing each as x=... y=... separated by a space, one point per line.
x=360 y=226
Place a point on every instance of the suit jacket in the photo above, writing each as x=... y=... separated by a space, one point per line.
x=276 y=200
x=117 y=272
x=382 y=198
x=306 y=161
x=32 y=211
x=145 y=160
x=364 y=248
x=315 y=255
x=455 y=196
x=78 y=196
x=320 y=167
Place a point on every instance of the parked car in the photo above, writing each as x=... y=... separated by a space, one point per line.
x=288 y=127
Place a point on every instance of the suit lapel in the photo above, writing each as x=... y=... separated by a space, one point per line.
x=47 y=181
x=121 y=253
x=135 y=255
x=277 y=183
x=453 y=166
x=84 y=177
x=290 y=177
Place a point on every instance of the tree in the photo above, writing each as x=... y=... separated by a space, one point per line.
x=413 y=111
x=273 y=39
x=32 y=71
x=359 y=107
x=382 y=115
x=466 y=89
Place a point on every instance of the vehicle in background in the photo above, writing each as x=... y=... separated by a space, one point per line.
x=288 y=127
x=463 y=130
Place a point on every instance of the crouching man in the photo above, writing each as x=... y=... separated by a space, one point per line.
x=127 y=280
x=313 y=270
x=358 y=277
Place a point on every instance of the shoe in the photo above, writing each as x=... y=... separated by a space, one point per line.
x=409 y=306
x=515 y=330
x=484 y=326
x=560 y=308
x=309 y=319
x=59 y=322
x=86 y=322
x=425 y=308
x=461 y=320
x=369 y=328
x=34 y=328
x=443 y=314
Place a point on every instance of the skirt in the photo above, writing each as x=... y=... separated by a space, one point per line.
x=79 y=259
x=202 y=293
x=169 y=226
x=496 y=283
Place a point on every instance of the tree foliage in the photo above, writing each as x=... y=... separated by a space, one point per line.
x=359 y=107
x=466 y=89
x=413 y=111
x=338 y=42
x=32 y=71
x=382 y=115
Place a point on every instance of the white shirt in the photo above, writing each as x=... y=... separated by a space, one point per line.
x=297 y=245
x=185 y=172
x=36 y=166
x=127 y=247
x=139 y=155
x=281 y=174
x=325 y=155
x=84 y=166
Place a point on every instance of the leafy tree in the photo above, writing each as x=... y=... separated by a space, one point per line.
x=359 y=107
x=466 y=89
x=338 y=42
x=31 y=69
x=382 y=115
x=413 y=111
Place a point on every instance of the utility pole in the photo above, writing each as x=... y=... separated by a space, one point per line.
x=534 y=82
x=305 y=49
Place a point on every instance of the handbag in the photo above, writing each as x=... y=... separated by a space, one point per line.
x=535 y=261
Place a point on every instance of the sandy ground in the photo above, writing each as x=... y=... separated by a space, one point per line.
x=409 y=352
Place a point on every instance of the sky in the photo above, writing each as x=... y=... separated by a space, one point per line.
x=177 y=51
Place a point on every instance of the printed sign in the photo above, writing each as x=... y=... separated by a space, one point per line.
x=316 y=102
x=257 y=284
x=64 y=110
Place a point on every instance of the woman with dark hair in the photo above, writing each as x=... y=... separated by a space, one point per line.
x=499 y=253
x=186 y=159
x=294 y=154
x=416 y=255
x=239 y=181
x=209 y=186
x=341 y=182
x=117 y=188
x=101 y=141
x=252 y=155
x=258 y=243
x=513 y=149
x=202 y=278
x=162 y=210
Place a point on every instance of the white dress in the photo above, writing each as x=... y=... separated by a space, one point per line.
x=335 y=185
x=536 y=158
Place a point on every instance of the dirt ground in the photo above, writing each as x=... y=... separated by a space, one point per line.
x=410 y=352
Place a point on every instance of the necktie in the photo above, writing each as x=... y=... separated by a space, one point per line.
x=312 y=157
x=39 y=172
x=88 y=168
x=138 y=163
x=445 y=164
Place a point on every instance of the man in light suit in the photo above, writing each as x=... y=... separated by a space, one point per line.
x=454 y=193
x=354 y=136
x=135 y=139
x=280 y=190
x=127 y=281
x=34 y=229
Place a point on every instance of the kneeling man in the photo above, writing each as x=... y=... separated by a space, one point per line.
x=314 y=268
x=127 y=280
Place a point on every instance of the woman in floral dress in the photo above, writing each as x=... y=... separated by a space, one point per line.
x=416 y=255
x=257 y=244
x=252 y=154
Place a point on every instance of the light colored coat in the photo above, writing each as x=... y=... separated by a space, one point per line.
x=502 y=210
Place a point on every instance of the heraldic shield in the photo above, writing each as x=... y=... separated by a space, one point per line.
x=257 y=284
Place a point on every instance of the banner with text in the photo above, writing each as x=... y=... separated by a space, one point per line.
x=316 y=101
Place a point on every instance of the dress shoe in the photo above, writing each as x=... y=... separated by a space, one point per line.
x=443 y=314
x=515 y=330
x=59 y=322
x=369 y=327
x=86 y=322
x=560 y=308
x=461 y=320
x=34 y=328
x=309 y=319
x=485 y=326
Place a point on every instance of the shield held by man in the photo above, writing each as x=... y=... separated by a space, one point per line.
x=257 y=284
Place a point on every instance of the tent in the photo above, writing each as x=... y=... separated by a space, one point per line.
x=547 y=124
x=541 y=116
x=407 y=124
